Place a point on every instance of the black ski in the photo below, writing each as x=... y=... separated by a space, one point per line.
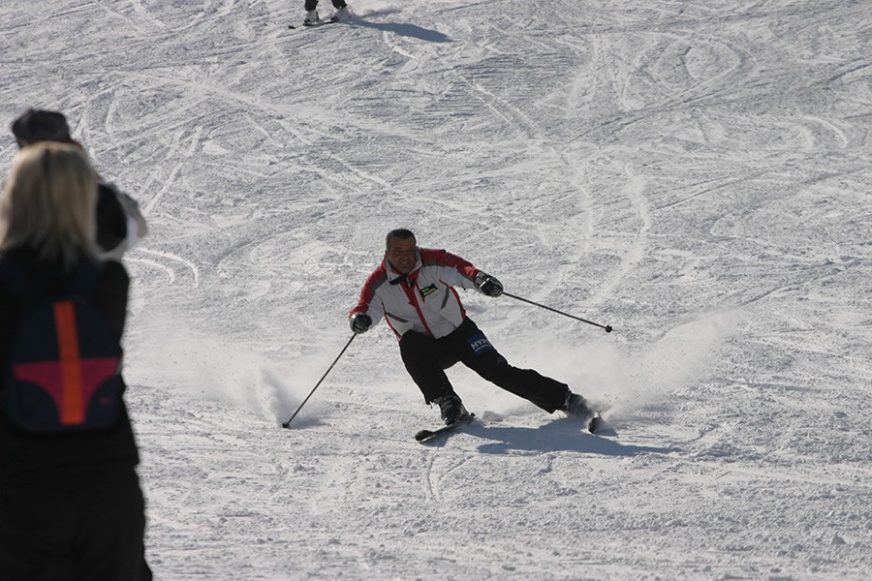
x=318 y=24
x=427 y=435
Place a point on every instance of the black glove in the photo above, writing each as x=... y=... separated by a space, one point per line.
x=360 y=323
x=488 y=285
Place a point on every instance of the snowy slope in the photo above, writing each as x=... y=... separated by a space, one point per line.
x=695 y=173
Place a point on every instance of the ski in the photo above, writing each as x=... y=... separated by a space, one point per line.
x=318 y=24
x=427 y=435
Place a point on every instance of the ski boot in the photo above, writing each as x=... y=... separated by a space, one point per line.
x=576 y=406
x=342 y=14
x=451 y=408
x=311 y=18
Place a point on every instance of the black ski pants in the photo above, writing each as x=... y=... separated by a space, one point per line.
x=426 y=359
x=312 y=4
x=81 y=527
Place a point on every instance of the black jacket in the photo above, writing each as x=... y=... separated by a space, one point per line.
x=27 y=458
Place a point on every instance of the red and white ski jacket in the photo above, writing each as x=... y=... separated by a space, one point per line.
x=424 y=300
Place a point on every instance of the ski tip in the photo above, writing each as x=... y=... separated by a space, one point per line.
x=423 y=435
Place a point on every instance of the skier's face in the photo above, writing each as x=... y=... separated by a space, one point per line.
x=402 y=254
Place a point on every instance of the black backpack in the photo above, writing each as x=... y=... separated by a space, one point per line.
x=62 y=372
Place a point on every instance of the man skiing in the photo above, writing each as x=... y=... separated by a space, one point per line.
x=413 y=290
x=312 y=19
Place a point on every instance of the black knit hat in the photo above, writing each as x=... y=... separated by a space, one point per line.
x=37 y=125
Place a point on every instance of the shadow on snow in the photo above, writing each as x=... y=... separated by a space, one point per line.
x=411 y=30
x=559 y=435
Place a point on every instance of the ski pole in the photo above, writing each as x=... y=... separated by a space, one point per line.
x=608 y=328
x=287 y=424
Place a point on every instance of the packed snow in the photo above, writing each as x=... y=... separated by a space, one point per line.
x=695 y=173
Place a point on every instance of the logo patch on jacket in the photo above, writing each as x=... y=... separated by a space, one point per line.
x=479 y=344
x=429 y=290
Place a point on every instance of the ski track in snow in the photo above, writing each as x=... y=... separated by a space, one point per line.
x=694 y=173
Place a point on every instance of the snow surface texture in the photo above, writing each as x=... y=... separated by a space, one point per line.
x=695 y=173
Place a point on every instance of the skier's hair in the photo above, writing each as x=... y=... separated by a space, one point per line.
x=399 y=234
x=49 y=204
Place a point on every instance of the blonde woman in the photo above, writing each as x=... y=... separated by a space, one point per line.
x=70 y=502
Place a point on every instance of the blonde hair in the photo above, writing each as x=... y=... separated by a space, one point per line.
x=49 y=204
